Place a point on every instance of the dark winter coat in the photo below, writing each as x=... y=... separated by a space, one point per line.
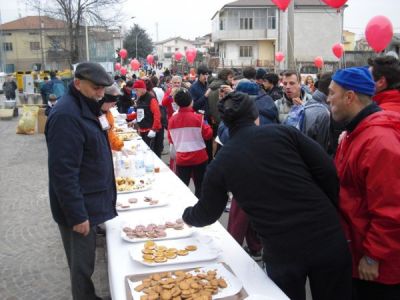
x=285 y=183
x=81 y=175
x=200 y=102
x=9 y=88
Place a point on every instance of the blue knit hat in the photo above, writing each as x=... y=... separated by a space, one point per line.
x=248 y=87
x=357 y=79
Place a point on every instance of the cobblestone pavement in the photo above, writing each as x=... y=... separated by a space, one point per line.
x=32 y=259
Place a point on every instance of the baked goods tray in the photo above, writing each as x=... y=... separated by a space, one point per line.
x=239 y=295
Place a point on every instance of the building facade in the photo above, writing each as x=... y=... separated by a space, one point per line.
x=250 y=32
x=42 y=43
x=166 y=48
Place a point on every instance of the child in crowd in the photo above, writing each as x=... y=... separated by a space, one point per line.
x=187 y=131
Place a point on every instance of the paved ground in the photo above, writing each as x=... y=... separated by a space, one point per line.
x=32 y=260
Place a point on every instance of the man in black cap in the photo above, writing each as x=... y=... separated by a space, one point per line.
x=287 y=185
x=81 y=175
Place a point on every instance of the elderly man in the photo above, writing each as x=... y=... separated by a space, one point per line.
x=287 y=186
x=293 y=95
x=81 y=174
x=367 y=161
x=168 y=100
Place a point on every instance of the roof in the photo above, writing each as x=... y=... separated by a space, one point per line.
x=33 y=22
x=266 y=3
x=255 y=3
x=173 y=38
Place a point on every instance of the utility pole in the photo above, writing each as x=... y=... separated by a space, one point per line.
x=41 y=38
x=87 y=41
x=2 y=52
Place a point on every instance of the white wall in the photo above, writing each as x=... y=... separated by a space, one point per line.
x=315 y=32
x=232 y=51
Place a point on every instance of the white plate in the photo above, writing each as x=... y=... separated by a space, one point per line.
x=142 y=189
x=138 y=205
x=234 y=284
x=171 y=234
x=206 y=250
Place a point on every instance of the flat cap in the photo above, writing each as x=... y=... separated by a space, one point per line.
x=93 y=72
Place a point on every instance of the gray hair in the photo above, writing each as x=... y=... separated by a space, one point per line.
x=113 y=90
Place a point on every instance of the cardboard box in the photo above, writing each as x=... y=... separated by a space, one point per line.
x=42 y=118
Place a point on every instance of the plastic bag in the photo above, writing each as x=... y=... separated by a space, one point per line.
x=27 y=122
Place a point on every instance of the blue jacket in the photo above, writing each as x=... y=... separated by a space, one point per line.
x=200 y=102
x=81 y=175
x=267 y=110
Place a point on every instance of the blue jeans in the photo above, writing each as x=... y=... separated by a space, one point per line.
x=81 y=252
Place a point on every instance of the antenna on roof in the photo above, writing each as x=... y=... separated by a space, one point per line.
x=19 y=10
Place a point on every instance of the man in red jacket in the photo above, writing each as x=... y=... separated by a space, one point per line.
x=187 y=131
x=386 y=73
x=367 y=161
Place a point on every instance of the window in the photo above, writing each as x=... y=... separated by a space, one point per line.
x=221 y=24
x=246 y=51
x=35 y=45
x=271 y=18
x=246 y=23
x=7 y=47
x=168 y=49
x=33 y=33
x=6 y=33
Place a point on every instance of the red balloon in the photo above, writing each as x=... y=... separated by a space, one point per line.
x=117 y=66
x=279 y=56
x=335 y=3
x=150 y=59
x=123 y=53
x=318 y=62
x=191 y=55
x=122 y=71
x=135 y=64
x=282 y=4
x=178 y=56
x=379 y=33
x=338 y=50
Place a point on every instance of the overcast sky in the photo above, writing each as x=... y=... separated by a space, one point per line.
x=189 y=19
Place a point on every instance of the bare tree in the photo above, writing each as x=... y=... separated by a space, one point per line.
x=76 y=14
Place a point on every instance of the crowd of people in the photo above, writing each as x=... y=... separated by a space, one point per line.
x=311 y=167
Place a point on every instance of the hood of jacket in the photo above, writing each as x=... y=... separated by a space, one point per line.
x=216 y=83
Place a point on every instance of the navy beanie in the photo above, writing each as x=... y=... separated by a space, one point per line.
x=248 y=87
x=260 y=73
x=237 y=109
x=357 y=79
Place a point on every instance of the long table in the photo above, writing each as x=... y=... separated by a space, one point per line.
x=254 y=279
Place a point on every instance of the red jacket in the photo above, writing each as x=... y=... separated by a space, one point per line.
x=388 y=100
x=368 y=164
x=167 y=103
x=187 y=131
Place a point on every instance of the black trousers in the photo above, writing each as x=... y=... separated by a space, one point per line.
x=81 y=253
x=369 y=290
x=328 y=270
x=198 y=171
x=154 y=143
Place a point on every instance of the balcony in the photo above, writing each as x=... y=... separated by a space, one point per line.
x=255 y=34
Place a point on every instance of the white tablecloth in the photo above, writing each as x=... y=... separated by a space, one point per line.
x=254 y=280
